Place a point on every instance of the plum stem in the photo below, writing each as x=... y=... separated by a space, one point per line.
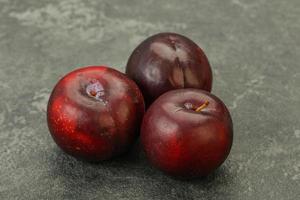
x=201 y=107
x=95 y=90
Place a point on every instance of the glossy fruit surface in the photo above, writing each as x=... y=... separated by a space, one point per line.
x=95 y=112
x=187 y=133
x=167 y=61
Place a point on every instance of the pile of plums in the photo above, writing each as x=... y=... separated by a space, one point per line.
x=96 y=113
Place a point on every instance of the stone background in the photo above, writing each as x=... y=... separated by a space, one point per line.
x=253 y=47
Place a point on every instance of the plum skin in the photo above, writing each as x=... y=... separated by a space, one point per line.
x=182 y=142
x=94 y=113
x=167 y=61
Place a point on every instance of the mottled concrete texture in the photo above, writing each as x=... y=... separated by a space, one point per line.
x=253 y=47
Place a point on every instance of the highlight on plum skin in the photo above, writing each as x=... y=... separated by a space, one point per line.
x=94 y=113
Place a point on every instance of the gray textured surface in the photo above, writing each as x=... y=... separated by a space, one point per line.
x=253 y=47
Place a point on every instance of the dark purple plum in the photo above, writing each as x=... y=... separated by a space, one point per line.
x=168 y=61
